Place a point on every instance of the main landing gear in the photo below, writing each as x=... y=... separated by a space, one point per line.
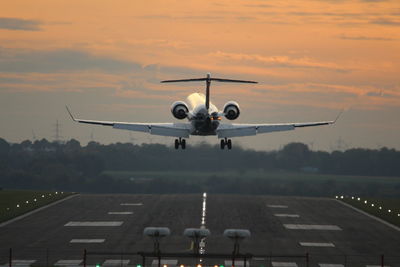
x=226 y=142
x=180 y=142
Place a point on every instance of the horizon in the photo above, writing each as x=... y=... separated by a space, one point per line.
x=106 y=60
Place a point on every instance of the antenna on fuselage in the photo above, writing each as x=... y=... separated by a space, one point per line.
x=208 y=80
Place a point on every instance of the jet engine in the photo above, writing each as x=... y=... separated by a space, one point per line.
x=231 y=110
x=179 y=109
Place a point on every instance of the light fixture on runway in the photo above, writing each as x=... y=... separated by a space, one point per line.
x=156 y=233
x=196 y=234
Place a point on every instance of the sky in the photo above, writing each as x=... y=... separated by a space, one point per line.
x=104 y=59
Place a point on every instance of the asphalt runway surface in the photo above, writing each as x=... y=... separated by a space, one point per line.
x=329 y=231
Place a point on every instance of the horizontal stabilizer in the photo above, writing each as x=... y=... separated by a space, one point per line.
x=208 y=79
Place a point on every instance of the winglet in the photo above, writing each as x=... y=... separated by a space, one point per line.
x=338 y=116
x=69 y=112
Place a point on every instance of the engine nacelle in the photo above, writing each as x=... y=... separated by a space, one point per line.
x=231 y=110
x=179 y=110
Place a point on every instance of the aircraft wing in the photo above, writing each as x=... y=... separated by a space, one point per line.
x=163 y=129
x=236 y=130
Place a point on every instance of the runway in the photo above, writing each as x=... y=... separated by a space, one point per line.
x=330 y=232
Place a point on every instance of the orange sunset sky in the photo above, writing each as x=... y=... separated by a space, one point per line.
x=105 y=60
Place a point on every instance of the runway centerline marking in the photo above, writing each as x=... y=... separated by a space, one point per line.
x=132 y=204
x=120 y=212
x=94 y=224
x=330 y=265
x=283 y=264
x=312 y=227
x=87 y=241
x=315 y=244
x=287 y=215
x=277 y=206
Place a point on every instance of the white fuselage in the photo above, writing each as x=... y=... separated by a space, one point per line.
x=204 y=122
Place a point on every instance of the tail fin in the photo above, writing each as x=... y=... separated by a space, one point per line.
x=208 y=80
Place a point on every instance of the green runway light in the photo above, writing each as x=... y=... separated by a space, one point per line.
x=221 y=265
x=98 y=265
x=138 y=265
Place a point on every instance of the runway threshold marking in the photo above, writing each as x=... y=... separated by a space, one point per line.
x=94 y=224
x=117 y=262
x=283 y=264
x=315 y=244
x=277 y=206
x=20 y=263
x=68 y=262
x=287 y=215
x=87 y=241
x=120 y=212
x=312 y=227
x=131 y=204
x=330 y=265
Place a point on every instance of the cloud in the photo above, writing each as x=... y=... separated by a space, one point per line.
x=279 y=61
x=20 y=24
x=365 y=38
x=59 y=61
x=386 y=22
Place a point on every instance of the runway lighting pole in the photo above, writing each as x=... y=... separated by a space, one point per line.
x=156 y=233
x=237 y=235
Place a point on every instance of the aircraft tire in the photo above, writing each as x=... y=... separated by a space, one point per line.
x=229 y=144
x=183 y=143
x=222 y=143
x=176 y=143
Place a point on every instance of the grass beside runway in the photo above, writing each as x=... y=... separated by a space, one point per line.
x=385 y=209
x=14 y=203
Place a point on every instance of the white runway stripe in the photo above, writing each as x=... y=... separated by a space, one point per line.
x=117 y=262
x=120 y=212
x=330 y=265
x=283 y=264
x=131 y=204
x=277 y=206
x=377 y=266
x=313 y=244
x=20 y=263
x=287 y=215
x=312 y=227
x=87 y=241
x=107 y=223
x=68 y=263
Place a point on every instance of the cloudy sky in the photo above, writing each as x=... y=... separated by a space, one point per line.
x=105 y=60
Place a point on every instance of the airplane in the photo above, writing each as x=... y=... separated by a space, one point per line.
x=204 y=119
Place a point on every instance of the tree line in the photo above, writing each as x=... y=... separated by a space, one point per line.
x=70 y=166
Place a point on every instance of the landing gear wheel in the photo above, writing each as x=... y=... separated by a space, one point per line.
x=176 y=143
x=222 y=143
x=229 y=144
x=183 y=143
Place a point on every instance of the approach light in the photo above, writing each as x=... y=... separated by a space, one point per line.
x=352 y=197
x=372 y=205
x=198 y=265
x=389 y=211
x=341 y=197
x=380 y=208
x=336 y=197
x=42 y=195
x=165 y=265
x=358 y=199
x=365 y=202
x=56 y=193
x=27 y=202
x=35 y=200
x=181 y=265
x=398 y=214
x=17 y=205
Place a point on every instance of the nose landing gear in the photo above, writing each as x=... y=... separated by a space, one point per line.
x=226 y=142
x=180 y=142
